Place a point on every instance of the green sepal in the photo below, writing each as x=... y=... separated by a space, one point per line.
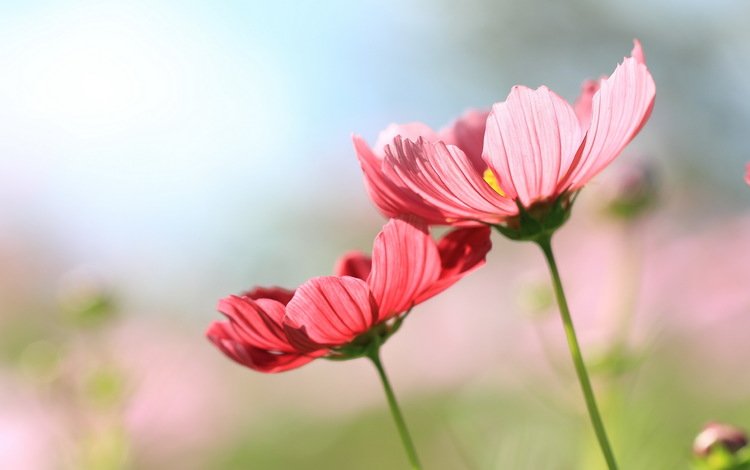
x=539 y=221
x=720 y=458
x=631 y=208
x=368 y=342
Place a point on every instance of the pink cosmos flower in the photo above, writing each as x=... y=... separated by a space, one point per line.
x=536 y=148
x=747 y=173
x=394 y=197
x=274 y=329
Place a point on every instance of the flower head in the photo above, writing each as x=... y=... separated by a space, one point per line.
x=274 y=329
x=632 y=191
x=715 y=435
x=536 y=148
x=395 y=195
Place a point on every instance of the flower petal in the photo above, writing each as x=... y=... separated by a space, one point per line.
x=530 y=142
x=620 y=108
x=637 y=52
x=354 y=264
x=446 y=179
x=278 y=294
x=582 y=105
x=589 y=88
x=329 y=311
x=411 y=131
x=405 y=261
x=391 y=199
x=467 y=133
x=461 y=251
x=224 y=337
x=258 y=322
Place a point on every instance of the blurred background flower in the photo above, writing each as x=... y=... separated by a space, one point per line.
x=183 y=151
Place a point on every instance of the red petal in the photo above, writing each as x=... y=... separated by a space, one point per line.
x=461 y=252
x=278 y=294
x=224 y=337
x=405 y=261
x=329 y=311
x=258 y=322
x=354 y=264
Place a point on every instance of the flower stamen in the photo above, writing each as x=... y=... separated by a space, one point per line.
x=490 y=178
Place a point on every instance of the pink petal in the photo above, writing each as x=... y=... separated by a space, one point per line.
x=224 y=337
x=467 y=133
x=589 y=88
x=582 y=105
x=329 y=311
x=461 y=251
x=258 y=322
x=530 y=142
x=278 y=294
x=405 y=261
x=446 y=179
x=747 y=173
x=637 y=52
x=354 y=264
x=411 y=131
x=620 y=108
x=390 y=197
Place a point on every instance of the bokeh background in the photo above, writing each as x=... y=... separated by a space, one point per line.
x=156 y=156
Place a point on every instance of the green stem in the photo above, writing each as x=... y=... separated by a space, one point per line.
x=411 y=451
x=575 y=351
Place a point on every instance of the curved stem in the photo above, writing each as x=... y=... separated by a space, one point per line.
x=411 y=451
x=575 y=352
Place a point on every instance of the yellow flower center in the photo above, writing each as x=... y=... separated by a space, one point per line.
x=491 y=179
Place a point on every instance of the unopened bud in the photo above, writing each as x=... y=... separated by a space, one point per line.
x=714 y=435
x=633 y=191
x=85 y=299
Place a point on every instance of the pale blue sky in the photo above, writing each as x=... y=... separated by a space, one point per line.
x=167 y=142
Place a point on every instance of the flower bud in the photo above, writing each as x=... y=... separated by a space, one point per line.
x=633 y=191
x=85 y=299
x=714 y=435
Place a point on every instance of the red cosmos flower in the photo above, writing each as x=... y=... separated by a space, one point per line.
x=274 y=329
x=536 y=148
